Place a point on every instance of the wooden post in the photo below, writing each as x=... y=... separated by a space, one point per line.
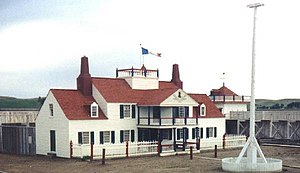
x=126 y=149
x=92 y=152
x=216 y=149
x=71 y=149
x=191 y=152
x=103 y=156
x=198 y=144
x=158 y=148
x=224 y=141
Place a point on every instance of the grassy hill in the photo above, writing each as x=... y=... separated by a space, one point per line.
x=11 y=102
x=262 y=104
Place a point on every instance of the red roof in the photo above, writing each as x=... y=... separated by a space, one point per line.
x=118 y=91
x=75 y=105
x=211 y=110
x=223 y=91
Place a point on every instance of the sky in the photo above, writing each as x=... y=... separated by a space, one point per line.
x=41 y=43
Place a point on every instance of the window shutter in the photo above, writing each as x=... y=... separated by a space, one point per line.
x=133 y=111
x=207 y=132
x=112 y=137
x=193 y=133
x=187 y=133
x=215 y=132
x=101 y=138
x=121 y=136
x=178 y=134
x=201 y=132
x=121 y=111
x=92 y=138
x=186 y=111
x=79 y=137
x=132 y=135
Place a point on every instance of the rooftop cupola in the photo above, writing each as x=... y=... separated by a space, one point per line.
x=84 y=80
x=139 y=78
x=176 y=77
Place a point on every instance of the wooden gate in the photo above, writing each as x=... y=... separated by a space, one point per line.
x=17 y=140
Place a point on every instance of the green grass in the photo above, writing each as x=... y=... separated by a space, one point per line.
x=11 y=102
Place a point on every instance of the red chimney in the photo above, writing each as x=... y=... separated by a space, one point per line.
x=175 y=76
x=84 y=80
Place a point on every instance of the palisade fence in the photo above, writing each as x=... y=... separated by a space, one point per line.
x=17 y=140
x=132 y=149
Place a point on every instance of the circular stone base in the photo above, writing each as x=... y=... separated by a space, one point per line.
x=272 y=165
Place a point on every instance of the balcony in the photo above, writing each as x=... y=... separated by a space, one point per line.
x=167 y=121
x=224 y=99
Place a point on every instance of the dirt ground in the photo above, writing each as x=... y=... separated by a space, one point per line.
x=203 y=162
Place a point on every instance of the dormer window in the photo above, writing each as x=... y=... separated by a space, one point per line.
x=203 y=110
x=94 y=110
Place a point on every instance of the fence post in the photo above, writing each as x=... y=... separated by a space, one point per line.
x=224 y=141
x=191 y=152
x=158 y=147
x=71 y=149
x=216 y=149
x=126 y=149
x=92 y=152
x=103 y=156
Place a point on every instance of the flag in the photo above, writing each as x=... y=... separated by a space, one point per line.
x=145 y=51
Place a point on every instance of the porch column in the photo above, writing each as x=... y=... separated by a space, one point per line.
x=183 y=139
x=174 y=138
x=159 y=137
x=197 y=115
x=173 y=117
x=159 y=117
x=138 y=116
x=148 y=115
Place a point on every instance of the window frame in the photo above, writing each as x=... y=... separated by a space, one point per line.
x=51 y=109
x=126 y=111
x=94 y=110
x=202 y=110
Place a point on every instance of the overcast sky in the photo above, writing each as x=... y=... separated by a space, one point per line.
x=41 y=43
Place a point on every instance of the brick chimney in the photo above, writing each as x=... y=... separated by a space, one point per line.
x=175 y=76
x=84 y=80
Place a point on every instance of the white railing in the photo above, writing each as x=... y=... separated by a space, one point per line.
x=168 y=121
x=231 y=141
x=230 y=98
x=116 y=150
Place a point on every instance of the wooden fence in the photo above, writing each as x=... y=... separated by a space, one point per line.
x=17 y=140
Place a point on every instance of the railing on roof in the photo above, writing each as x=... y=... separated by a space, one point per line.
x=133 y=72
x=230 y=98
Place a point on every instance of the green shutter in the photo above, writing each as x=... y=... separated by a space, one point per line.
x=187 y=133
x=178 y=134
x=170 y=134
x=101 y=138
x=207 y=132
x=133 y=111
x=186 y=111
x=121 y=136
x=193 y=133
x=121 y=111
x=112 y=137
x=215 y=132
x=201 y=133
x=92 y=138
x=79 y=137
x=132 y=135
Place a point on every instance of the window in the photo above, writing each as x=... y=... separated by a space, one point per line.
x=180 y=112
x=211 y=132
x=126 y=135
x=202 y=110
x=156 y=112
x=85 y=137
x=94 y=109
x=107 y=137
x=180 y=133
x=51 y=109
x=167 y=134
x=127 y=111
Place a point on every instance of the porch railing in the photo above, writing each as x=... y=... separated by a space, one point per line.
x=163 y=121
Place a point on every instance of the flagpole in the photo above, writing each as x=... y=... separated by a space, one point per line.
x=142 y=56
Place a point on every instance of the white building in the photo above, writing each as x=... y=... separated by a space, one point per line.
x=134 y=106
x=228 y=101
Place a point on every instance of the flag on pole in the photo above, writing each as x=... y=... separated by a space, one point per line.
x=145 y=51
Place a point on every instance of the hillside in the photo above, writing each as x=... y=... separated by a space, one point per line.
x=263 y=104
x=11 y=102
